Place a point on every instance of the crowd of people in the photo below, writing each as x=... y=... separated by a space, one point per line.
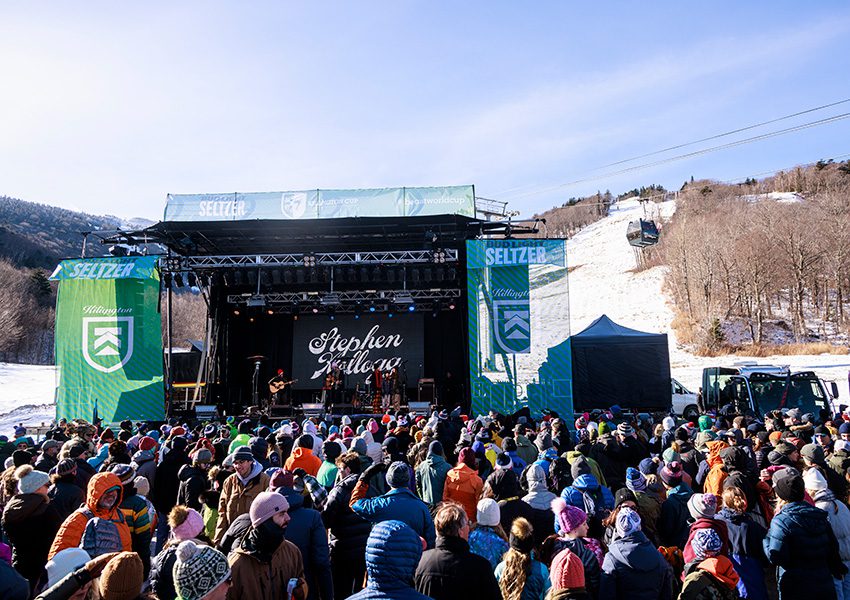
x=604 y=506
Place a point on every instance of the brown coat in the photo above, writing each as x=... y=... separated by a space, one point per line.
x=254 y=580
x=236 y=500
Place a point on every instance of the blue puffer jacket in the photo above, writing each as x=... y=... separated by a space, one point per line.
x=574 y=495
x=401 y=505
x=634 y=569
x=392 y=554
x=801 y=543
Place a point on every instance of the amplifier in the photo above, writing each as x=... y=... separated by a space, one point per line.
x=206 y=412
x=421 y=408
x=426 y=391
x=312 y=409
x=278 y=411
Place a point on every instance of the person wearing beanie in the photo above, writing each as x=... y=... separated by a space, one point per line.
x=122 y=578
x=672 y=525
x=263 y=561
x=47 y=459
x=201 y=573
x=185 y=524
x=633 y=567
x=509 y=448
x=649 y=506
x=239 y=490
x=108 y=532
x=505 y=489
x=136 y=515
x=486 y=536
x=30 y=522
x=392 y=553
x=399 y=503
x=194 y=478
x=326 y=476
x=64 y=493
x=573 y=526
x=65 y=563
x=716 y=473
x=374 y=450
x=302 y=456
x=801 y=542
x=710 y=575
x=703 y=508
x=451 y=570
x=144 y=462
x=813 y=455
x=566 y=574
x=431 y=475
x=463 y=484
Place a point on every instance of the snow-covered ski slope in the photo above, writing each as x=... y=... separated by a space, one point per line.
x=603 y=281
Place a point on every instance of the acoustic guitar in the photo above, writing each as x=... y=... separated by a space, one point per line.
x=277 y=386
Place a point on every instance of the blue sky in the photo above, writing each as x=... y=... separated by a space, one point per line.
x=107 y=106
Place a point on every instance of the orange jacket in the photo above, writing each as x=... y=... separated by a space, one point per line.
x=464 y=486
x=303 y=458
x=71 y=531
x=717 y=474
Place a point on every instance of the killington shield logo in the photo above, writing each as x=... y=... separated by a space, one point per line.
x=512 y=326
x=107 y=342
x=293 y=205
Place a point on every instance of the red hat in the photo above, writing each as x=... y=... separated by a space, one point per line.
x=178 y=431
x=386 y=419
x=147 y=443
x=567 y=571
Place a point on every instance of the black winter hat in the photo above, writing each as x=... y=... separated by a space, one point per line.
x=331 y=450
x=788 y=484
x=624 y=495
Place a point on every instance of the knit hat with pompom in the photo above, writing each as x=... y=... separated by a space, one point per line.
x=198 y=570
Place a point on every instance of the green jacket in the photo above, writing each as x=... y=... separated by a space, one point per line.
x=431 y=479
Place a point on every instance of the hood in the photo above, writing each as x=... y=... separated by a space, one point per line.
x=309 y=427
x=586 y=482
x=460 y=474
x=186 y=472
x=24 y=506
x=143 y=456
x=722 y=569
x=292 y=496
x=98 y=486
x=392 y=554
x=256 y=469
x=359 y=446
x=435 y=461
x=727 y=514
x=714 y=448
x=368 y=437
x=536 y=478
x=301 y=453
x=636 y=551
x=504 y=484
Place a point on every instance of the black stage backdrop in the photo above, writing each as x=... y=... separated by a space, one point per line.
x=358 y=345
x=441 y=347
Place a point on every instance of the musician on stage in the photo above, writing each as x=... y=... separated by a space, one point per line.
x=279 y=388
x=334 y=385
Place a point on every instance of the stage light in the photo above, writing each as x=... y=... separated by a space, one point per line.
x=315 y=310
x=236 y=312
x=390 y=315
x=371 y=307
x=403 y=297
x=309 y=260
x=438 y=255
x=294 y=317
x=270 y=311
x=256 y=301
x=411 y=308
x=451 y=305
x=251 y=319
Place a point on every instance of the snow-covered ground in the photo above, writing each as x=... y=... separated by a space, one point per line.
x=26 y=396
x=603 y=281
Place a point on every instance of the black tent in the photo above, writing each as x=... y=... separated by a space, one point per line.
x=613 y=364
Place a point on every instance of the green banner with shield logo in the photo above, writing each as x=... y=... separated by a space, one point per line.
x=108 y=339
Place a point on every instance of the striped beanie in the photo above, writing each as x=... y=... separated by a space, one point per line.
x=635 y=480
x=625 y=429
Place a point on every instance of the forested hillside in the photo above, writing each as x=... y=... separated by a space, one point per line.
x=762 y=263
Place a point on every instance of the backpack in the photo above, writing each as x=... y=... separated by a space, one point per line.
x=594 y=506
x=101 y=536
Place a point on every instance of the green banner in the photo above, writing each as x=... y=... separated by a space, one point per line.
x=108 y=339
x=515 y=287
x=322 y=204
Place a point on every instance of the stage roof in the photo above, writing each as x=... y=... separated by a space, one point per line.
x=198 y=238
x=322 y=204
